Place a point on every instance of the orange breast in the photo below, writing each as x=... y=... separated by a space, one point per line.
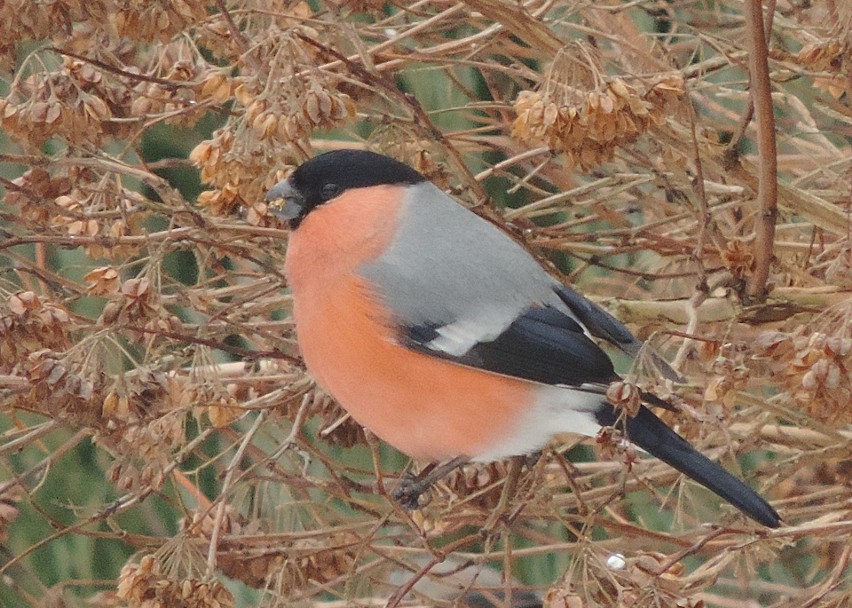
x=424 y=406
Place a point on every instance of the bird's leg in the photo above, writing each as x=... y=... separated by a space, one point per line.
x=407 y=494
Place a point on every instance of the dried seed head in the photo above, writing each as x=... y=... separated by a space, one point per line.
x=154 y=583
x=562 y=597
x=292 y=568
x=406 y=144
x=588 y=116
x=480 y=485
x=738 y=258
x=824 y=56
x=160 y=21
x=30 y=324
x=626 y=396
x=610 y=441
x=814 y=366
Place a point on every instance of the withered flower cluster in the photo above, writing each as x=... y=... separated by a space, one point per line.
x=274 y=123
x=578 y=111
x=145 y=324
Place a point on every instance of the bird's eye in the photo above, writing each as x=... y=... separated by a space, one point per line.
x=329 y=191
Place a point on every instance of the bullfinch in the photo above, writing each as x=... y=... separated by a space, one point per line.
x=443 y=336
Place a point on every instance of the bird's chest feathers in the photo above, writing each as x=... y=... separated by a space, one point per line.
x=336 y=311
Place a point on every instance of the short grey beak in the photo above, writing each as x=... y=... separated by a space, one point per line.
x=285 y=201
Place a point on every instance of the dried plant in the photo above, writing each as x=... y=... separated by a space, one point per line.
x=687 y=164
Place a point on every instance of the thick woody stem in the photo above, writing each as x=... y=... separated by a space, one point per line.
x=767 y=194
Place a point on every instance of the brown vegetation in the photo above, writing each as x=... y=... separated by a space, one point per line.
x=685 y=163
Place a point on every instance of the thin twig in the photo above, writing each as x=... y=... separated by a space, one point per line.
x=219 y=517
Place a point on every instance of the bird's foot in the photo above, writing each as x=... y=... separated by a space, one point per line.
x=409 y=490
x=411 y=487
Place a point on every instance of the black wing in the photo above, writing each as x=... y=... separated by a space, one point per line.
x=603 y=325
x=599 y=322
x=543 y=345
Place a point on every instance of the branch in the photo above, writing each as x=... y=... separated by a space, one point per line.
x=767 y=194
x=733 y=147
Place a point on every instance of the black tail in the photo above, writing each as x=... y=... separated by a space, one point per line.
x=652 y=435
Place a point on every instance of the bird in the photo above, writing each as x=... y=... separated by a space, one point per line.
x=446 y=338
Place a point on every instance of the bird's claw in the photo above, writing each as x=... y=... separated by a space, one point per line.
x=411 y=487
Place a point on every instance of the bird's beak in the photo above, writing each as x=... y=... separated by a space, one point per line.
x=285 y=202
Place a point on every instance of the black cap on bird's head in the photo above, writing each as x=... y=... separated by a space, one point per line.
x=329 y=175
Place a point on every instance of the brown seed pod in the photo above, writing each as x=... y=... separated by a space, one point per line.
x=626 y=396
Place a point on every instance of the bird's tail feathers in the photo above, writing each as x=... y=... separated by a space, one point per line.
x=652 y=435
